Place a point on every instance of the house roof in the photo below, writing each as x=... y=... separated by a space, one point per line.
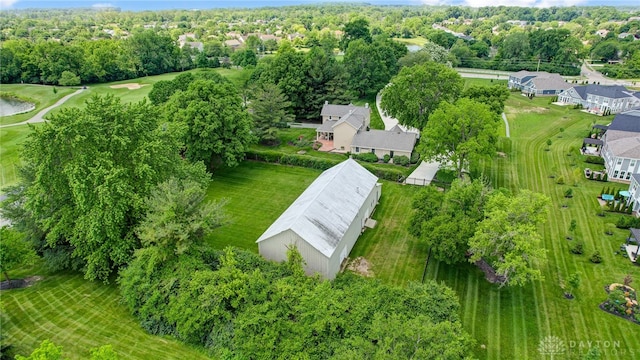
x=551 y=82
x=591 y=141
x=636 y=177
x=623 y=144
x=322 y=214
x=524 y=73
x=387 y=140
x=353 y=119
x=609 y=91
x=342 y=110
x=626 y=121
x=232 y=42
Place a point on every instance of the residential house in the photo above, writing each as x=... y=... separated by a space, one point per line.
x=601 y=99
x=634 y=193
x=621 y=146
x=602 y=32
x=233 y=43
x=394 y=142
x=324 y=222
x=341 y=122
x=537 y=82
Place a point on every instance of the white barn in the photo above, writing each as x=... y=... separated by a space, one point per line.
x=325 y=220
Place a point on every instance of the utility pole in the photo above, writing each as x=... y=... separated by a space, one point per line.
x=538 y=68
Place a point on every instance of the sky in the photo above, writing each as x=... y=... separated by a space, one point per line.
x=138 y=5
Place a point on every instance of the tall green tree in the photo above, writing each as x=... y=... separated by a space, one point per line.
x=177 y=217
x=493 y=96
x=354 y=30
x=215 y=127
x=418 y=90
x=268 y=108
x=460 y=133
x=14 y=250
x=446 y=222
x=88 y=172
x=508 y=238
x=369 y=65
x=154 y=53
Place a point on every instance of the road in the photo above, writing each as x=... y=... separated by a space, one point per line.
x=39 y=117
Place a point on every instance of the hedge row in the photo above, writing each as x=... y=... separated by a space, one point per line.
x=277 y=157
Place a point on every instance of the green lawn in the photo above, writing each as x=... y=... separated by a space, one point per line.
x=256 y=195
x=42 y=96
x=511 y=322
x=79 y=315
x=11 y=140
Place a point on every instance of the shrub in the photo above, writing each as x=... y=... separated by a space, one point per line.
x=386 y=158
x=568 y=193
x=577 y=248
x=560 y=180
x=594 y=160
x=401 y=160
x=626 y=222
x=596 y=258
x=368 y=157
x=415 y=157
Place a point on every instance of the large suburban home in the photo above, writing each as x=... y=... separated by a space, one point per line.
x=537 y=83
x=601 y=99
x=345 y=128
x=340 y=123
x=634 y=193
x=394 y=142
x=621 y=146
x=325 y=221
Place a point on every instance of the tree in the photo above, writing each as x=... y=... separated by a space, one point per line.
x=429 y=52
x=154 y=53
x=494 y=96
x=177 y=218
x=354 y=30
x=418 y=90
x=244 y=58
x=515 y=46
x=446 y=226
x=216 y=129
x=369 y=65
x=460 y=133
x=268 y=108
x=88 y=171
x=68 y=79
x=508 y=238
x=46 y=351
x=574 y=282
x=14 y=250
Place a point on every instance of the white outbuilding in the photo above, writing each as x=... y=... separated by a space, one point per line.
x=325 y=220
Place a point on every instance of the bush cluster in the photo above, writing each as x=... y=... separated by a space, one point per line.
x=594 y=160
x=239 y=305
x=401 y=160
x=368 y=157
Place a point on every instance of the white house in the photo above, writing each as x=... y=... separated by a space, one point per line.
x=621 y=146
x=634 y=191
x=325 y=221
x=394 y=142
x=601 y=99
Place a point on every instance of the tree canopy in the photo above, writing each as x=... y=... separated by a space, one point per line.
x=269 y=108
x=214 y=126
x=15 y=250
x=86 y=176
x=460 y=133
x=508 y=238
x=418 y=90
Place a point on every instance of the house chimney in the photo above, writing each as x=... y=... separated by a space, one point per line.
x=366 y=105
x=326 y=102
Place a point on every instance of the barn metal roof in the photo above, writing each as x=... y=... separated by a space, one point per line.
x=322 y=214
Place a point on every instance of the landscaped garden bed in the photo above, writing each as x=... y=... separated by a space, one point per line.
x=622 y=301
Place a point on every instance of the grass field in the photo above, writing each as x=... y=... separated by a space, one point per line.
x=80 y=315
x=42 y=96
x=12 y=138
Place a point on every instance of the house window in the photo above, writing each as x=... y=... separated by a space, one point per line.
x=357 y=149
x=373 y=151
x=632 y=163
x=391 y=153
x=619 y=161
x=628 y=175
x=615 y=174
x=622 y=174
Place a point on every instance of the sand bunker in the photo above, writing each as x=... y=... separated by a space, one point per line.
x=130 y=86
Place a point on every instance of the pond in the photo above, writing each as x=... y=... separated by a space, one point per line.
x=413 y=48
x=11 y=106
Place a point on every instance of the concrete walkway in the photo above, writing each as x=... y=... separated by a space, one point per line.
x=506 y=125
x=39 y=117
x=426 y=171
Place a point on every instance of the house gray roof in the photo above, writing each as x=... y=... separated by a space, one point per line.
x=524 y=73
x=353 y=119
x=636 y=177
x=626 y=121
x=342 y=110
x=550 y=83
x=322 y=214
x=385 y=140
x=609 y=91
x=327 y=126
x=623 y=144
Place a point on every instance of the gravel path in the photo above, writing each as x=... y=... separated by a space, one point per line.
x=39 y=117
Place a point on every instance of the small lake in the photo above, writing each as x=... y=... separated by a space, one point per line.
x=413 y=48
x=12 y=106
